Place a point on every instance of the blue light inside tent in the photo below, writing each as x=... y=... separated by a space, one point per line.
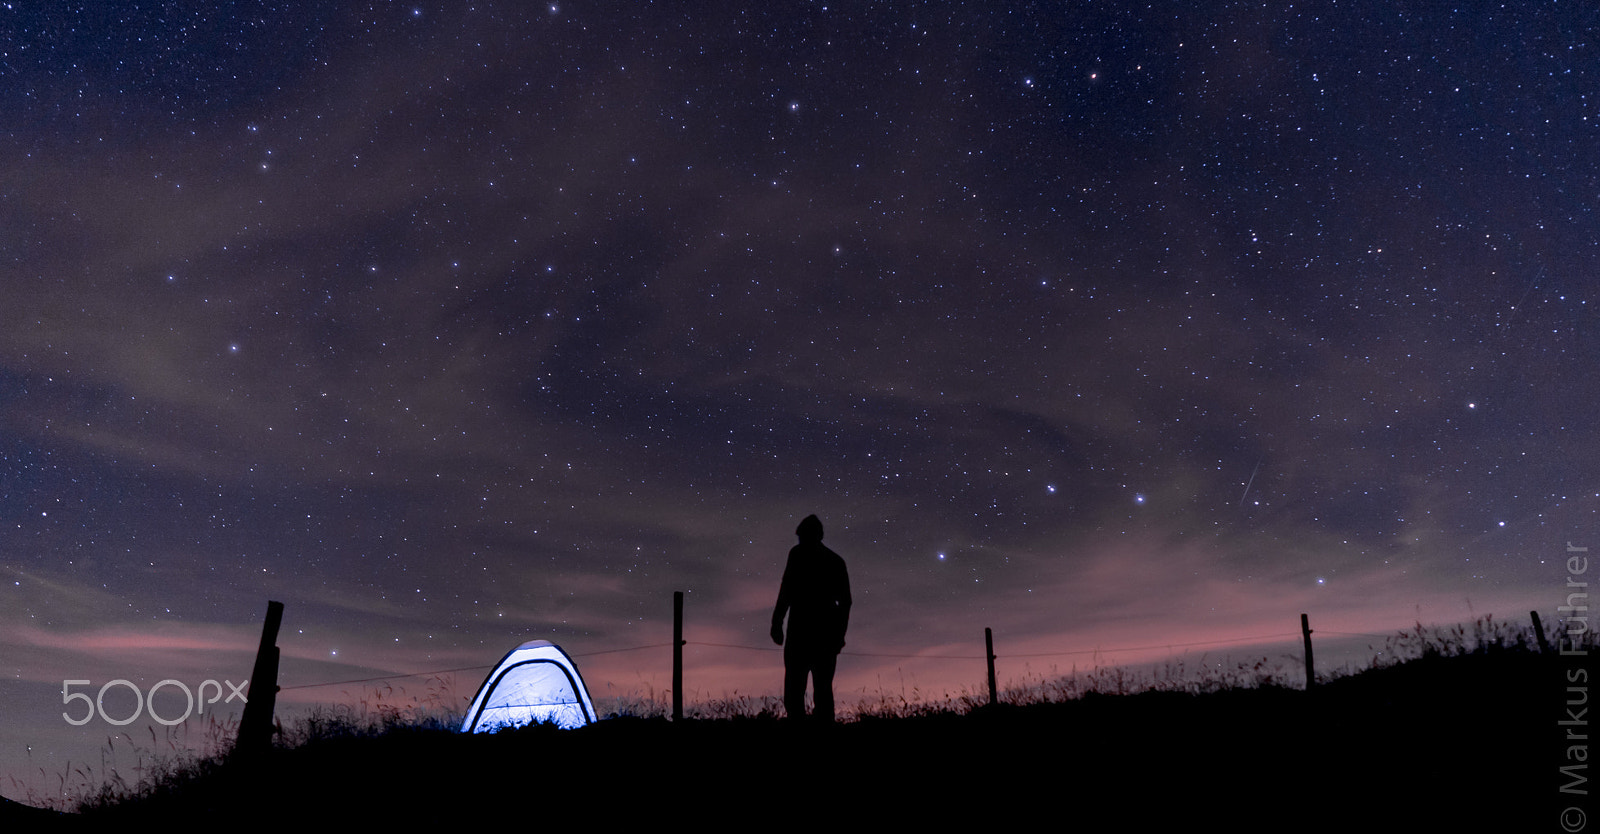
x=535 y=683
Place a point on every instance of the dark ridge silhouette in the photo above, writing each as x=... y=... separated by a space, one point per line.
x=15 y=816
x=1469 y=742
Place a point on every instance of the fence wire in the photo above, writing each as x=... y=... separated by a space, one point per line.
x=880 y=655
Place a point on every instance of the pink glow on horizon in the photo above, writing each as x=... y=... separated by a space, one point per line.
x=106 y=641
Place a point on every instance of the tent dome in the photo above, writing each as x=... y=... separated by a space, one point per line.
x=535 y=682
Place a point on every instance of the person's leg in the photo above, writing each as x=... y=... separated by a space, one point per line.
x=794 y=683
x=822 y=684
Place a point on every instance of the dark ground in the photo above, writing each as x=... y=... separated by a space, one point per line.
x=1467 y=743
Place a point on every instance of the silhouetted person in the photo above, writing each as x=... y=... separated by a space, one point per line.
x=816 y=596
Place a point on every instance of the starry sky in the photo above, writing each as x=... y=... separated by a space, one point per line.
x=1104 y=325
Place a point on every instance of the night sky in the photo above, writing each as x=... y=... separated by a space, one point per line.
x=456 y=325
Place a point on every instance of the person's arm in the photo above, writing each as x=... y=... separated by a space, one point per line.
x=782 y=607
x=844 y=604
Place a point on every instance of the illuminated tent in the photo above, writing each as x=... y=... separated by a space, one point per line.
x=535 y=682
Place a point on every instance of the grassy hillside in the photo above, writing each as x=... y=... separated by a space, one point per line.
x=1463 y=740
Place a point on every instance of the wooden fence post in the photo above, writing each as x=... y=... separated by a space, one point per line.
x=1538 y=630
x=1311 y=669
x=255 y=726
x=988 y=649
x=677 y=655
